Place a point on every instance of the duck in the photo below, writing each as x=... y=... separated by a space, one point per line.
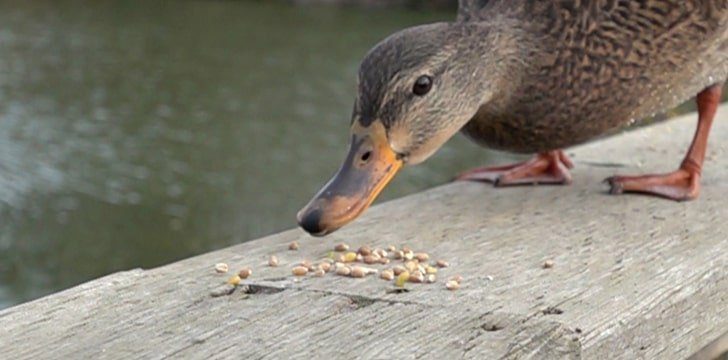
x=530 y=77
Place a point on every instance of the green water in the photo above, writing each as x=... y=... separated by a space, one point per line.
x=136 y=133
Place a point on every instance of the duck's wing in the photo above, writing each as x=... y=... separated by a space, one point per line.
x=470 y=9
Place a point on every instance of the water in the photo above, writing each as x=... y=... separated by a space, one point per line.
x=136 y=133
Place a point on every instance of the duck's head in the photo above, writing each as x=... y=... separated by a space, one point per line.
x=416 y=89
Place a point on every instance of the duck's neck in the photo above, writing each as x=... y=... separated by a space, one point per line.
x=500 y=54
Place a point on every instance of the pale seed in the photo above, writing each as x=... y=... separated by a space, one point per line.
x=234 y=280
x=398 y=255
x=430 y=270
x=341 y=247
x=402 y=278
x=245 y=272
x=340 y=258
x=391 y=248
x=442 y=263
x=409 y=255
x=384 y=261
x=221 y=268
x=452 y=285
x=457 y=278
x=422 y=257
x=365 y=250
x=431 y=278
x=273 y=261
x=411 y=266
x=387 y=275
x=406 y=248
x=548 y=264
x=421 y=269
x=398 y=269
x=358 y=272
x=300 y=270
x=371 y=259
x=416 y=277
x=293 y=245
x=325 y=266
x=380 y=252
x=343 y=271
x=319 y=272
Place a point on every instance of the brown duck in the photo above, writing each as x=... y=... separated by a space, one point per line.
x=529 y=76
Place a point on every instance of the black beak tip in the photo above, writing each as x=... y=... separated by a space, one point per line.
x=311 y=222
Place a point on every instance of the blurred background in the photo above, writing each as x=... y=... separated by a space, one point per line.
x=136 y=133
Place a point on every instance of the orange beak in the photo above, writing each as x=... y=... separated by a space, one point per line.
x=369 y=167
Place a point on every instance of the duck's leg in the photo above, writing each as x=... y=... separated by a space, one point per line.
x=684 y=183
x=550 y=167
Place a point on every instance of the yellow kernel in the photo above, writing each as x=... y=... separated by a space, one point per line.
x=234 y=280
x=430 y=270
x=349 y=257
x=402 y=278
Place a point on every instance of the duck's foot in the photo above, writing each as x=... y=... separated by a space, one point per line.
x=683 y=184
x=680 y=185
x=548 y=168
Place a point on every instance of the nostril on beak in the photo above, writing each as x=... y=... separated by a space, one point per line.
x=310 y=221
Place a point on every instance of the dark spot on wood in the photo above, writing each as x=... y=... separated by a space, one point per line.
x=253 y=289
x=552 y=310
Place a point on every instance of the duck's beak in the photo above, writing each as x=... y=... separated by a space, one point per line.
x=368 y=168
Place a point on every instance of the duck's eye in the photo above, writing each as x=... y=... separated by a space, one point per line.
x=422 y=86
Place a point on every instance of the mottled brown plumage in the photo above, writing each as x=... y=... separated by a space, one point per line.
x=597 y=65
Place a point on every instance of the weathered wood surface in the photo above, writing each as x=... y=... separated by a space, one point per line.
x=634 y=278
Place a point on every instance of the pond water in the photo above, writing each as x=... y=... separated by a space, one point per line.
x=136 y=133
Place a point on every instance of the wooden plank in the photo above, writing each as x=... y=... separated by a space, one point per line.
x=634 y=277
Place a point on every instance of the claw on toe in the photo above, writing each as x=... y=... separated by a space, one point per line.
x=680 y=185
